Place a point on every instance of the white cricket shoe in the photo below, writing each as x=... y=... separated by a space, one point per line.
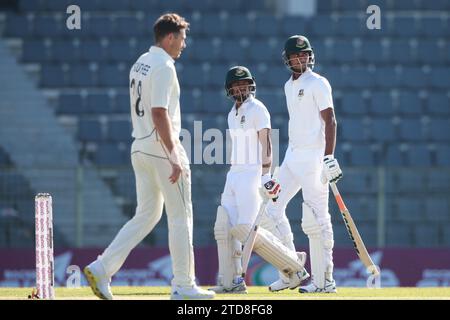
x=193 y=292
x=100 y=284
x=238 y=288
x=330 y=287
x=295 y=280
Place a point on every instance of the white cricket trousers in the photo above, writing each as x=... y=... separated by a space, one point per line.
x=153 y=188
x=301 y=169
x=241 y=198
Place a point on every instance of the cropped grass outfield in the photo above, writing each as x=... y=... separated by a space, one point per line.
x=255 y=293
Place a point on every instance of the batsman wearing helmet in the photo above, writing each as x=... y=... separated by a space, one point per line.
x=308 y=164
x=251 y=159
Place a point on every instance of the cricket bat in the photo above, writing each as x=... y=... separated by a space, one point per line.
x=353 y=232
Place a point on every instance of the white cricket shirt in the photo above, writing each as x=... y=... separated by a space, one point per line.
x=244 y=124
x=154 y=83
x=305 y=98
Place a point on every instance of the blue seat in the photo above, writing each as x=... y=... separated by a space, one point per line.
x=89 y=130
x=423 y=52
x=437 y=181
x=361 y=77
x=115 y=5
x=409 y=103
x=395 y=156
x=398 y=235
x=82 y=76
x=437 y=209
x=194 y=76
x=440 y=78
x=372 y=51
x=343 y=51
x=382 y=130
x=215 y=76
x=113 y=76
x=17 y=26
x=411 y=130
x=267 y=25
x=349 y=26
x=394 y=79
x=35 y=51
x=406 y=181
x=240 y=25
x=439 y=104
x=47 y=26
x=109 y=154
x=278 y=77
x=120 y=51
x=98 y=103
x=353 y=104
x=100 y=27
x=400 y=52
x=414 y=77
x=70 y=103
x=408 y=209
x=93 y=51
x=262 y=51
x=119 y=130
x=204 y=50
x=4 y=158
x=353 y=130
x=439 y=129
x=127 y=26
x=30 y=5
x=142 y=5
x=88 y=5
x=443 y=155
x=215 y=101
x=52 y=76
x=189 y=103
x=426 y=235
x=126 y=184
x=121 y=103
x=404 y=26
x=439 y=5
x=381 y=104
x=321 y=26
x=419 y=155
x=213 y=25
x=361 y=155
x=292 y=25
x=233 y=51
x=431 y=27
x=64 y=51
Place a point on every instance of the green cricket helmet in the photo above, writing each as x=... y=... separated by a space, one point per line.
x=240 y=93
x=297 y=44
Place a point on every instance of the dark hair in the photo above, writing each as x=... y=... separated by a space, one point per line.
x=168 y=23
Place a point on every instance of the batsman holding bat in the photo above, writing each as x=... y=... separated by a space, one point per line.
x=251 y=160
x=308 y=164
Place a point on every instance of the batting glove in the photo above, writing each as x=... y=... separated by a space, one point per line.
x=270 y=186
x=331 y=171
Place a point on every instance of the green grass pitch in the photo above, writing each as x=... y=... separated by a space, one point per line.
x=254 y=293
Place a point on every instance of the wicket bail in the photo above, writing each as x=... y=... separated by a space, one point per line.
x=44 y=246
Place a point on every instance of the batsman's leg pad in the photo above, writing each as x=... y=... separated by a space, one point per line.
x=229 y=250
x=282 y=230
x=270 y=249
x=321 y=244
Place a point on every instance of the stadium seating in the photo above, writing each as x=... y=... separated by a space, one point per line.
x=391 y=91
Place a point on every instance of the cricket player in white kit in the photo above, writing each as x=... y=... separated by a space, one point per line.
x=160 y=165
x=309 y=164
x=251 y=159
